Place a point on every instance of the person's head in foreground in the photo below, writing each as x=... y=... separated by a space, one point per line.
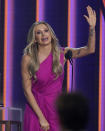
x=73 y=111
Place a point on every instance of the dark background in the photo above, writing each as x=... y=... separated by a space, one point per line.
x=1 y=47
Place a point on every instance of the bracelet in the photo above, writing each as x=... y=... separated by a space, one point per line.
x=91 y=27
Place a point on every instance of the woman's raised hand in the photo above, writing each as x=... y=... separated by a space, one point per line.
x=91 y=18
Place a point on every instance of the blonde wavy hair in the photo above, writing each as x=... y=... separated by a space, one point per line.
x=32 y=50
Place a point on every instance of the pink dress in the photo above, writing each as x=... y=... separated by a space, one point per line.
x=45 y=91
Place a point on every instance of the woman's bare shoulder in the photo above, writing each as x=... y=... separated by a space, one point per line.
x=26 y=58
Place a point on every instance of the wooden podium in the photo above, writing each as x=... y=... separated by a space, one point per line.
x=10 y=116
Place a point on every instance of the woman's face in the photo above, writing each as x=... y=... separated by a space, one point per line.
x=42 y=34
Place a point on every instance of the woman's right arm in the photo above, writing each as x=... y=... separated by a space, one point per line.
x=28 y=93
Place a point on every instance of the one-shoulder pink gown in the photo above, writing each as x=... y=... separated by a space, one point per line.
x=45 y=90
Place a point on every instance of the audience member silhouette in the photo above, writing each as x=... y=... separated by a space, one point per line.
x=73 y=111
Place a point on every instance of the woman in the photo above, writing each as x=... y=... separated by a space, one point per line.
x=43 y=71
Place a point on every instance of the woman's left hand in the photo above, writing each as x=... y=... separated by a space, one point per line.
x=91 y=18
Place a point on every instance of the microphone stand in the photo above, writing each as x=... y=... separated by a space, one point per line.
x=71 y=62
x=68 y=56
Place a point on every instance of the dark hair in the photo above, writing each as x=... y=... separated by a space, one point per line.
x=73 y=111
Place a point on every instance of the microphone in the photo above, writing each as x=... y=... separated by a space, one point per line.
x=68 y=56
